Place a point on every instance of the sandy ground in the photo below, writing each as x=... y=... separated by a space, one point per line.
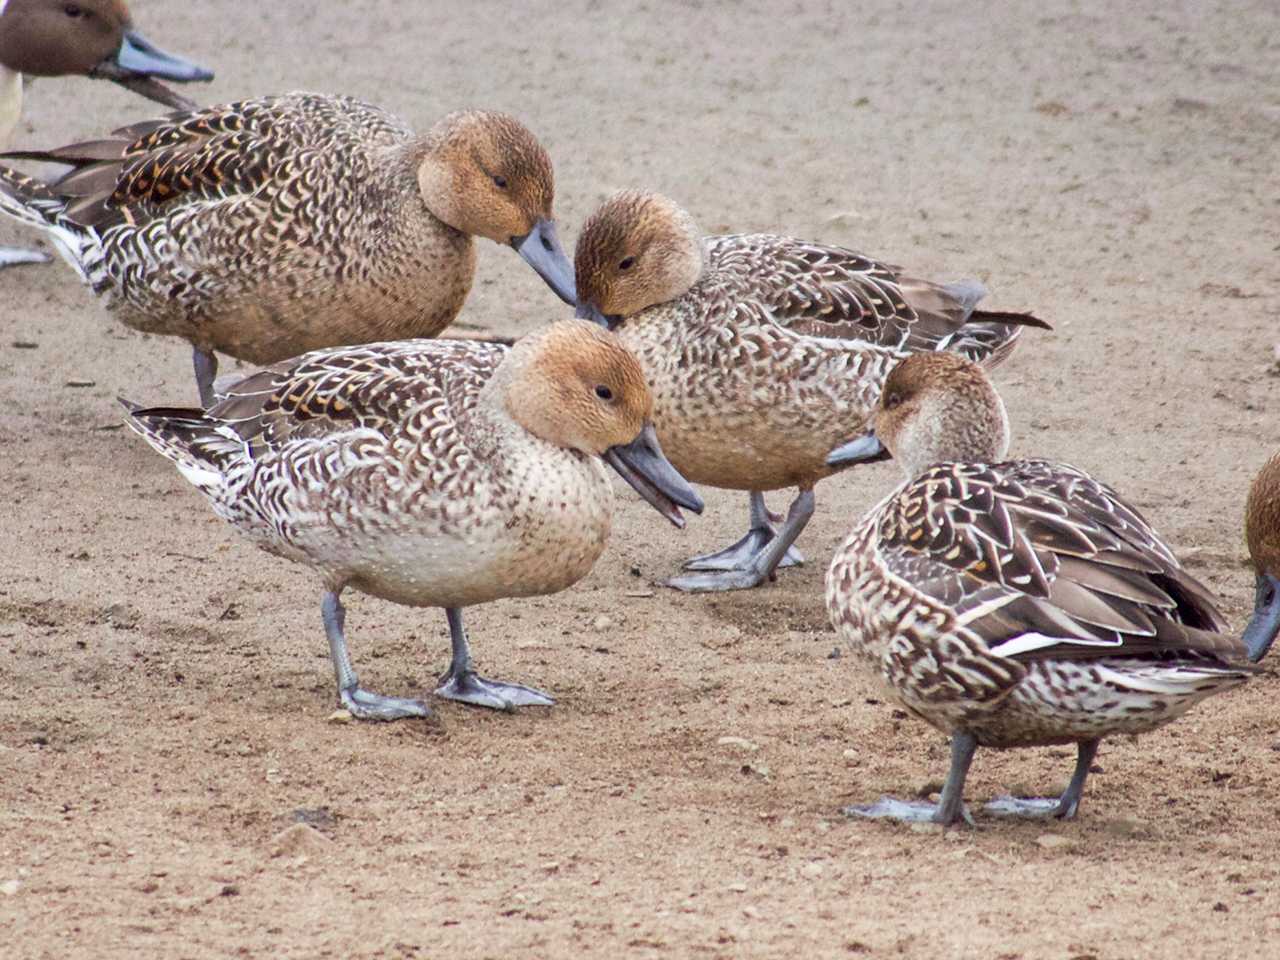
x=163 y=721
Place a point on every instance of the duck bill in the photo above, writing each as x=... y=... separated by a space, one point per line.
x=540 y=248
x=1265 y=622
x=139 y=65
x=642 y=464
x=589 y=311
x=865 y=449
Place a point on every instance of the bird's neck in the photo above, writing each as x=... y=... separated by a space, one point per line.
x=10 y=102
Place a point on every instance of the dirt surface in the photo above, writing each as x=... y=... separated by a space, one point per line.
x=170 y=783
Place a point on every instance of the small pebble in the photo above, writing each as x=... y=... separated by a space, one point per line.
x=927 y=828
x=82 y=383
x=301 y=839
x=812 y=870
x=9 y=887
x=1054 y=841
x=339 y=716
x=602 y=622
x=738 y=887
x=740 y=742
x=639 y=593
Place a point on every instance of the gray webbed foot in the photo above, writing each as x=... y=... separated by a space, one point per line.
x=364 y=705
x=1031 y=807
x=469 y=687
x=920 y=811
x=16 y=256
x=739 y=556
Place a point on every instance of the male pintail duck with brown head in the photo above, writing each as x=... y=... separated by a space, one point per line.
x=90 y=38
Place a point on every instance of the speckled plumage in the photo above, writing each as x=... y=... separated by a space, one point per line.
x=429 y=473
x=1016 y=602
x=271 y=227
x=777 y=349
x=388 y=467
x=1026 y=602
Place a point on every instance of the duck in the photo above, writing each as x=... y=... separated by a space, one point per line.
x=272 y=227
x=1262 y=533
x=93 y=38
x=1013 y=603
x=430 y=473
x=762 y=352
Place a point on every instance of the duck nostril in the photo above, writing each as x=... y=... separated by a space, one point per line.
x=547 y=244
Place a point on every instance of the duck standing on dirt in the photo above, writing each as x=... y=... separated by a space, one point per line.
x=272 y=227
x=1013 y=603
x=91 y=38
x=1262 y=531
x=430 y=473
x=762 y=353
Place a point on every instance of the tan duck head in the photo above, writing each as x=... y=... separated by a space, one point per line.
x=637 y=250
x=1262 y=531
x=486 y=174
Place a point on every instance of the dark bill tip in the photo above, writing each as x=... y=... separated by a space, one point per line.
x=641 y=463
x=540 y=248
x=1264 y=625
x=865 y=449
x=589 y=311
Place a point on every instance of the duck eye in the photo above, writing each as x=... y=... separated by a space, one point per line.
x=500 y=181
x=73 y=11
x=892 y=400
x=627 y=263
x=604 y=393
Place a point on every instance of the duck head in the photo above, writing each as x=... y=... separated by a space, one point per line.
x=574 y=385
x=637 y=250
x=486 y=175
x=934 y=407
x=1262 y=532
x=95 y=38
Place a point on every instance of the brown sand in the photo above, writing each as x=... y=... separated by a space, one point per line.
x=163 y=716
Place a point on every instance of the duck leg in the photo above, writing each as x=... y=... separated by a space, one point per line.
x=14 y=256
x=361 y=704
x=206 y=367
x=762 y=564
x=950 y=808
x=461 y=682
x=738 y=556
x=1064 y=807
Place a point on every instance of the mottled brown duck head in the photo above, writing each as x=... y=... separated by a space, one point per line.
x=96 y=38
x=486 y=175
x=1262 y=531
x=934 y=407
x=637 y=250
x=574 y=385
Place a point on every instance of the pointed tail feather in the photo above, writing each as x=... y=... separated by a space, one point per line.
x=27 y=199
x=203 y=449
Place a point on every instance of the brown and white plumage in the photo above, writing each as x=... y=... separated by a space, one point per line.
x=429 y=473
x=763 y=351
x=271 y=227
x=1015 y=602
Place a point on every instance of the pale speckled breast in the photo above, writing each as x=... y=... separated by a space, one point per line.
x=271 y=276
x=750 y=408
x=530 y=518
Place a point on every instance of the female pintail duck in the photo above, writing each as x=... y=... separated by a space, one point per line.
x=763 y=352
x=1262 y=531
x=272 y=227
x=93 y=38
x=430 y=473
x=1013 y=603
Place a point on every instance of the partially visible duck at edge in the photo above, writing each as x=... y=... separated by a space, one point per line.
x=763 y=352
x=91 y=38
x=1262 y=531
x=1013 y=603
x=271 y=227
x=435 y=473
